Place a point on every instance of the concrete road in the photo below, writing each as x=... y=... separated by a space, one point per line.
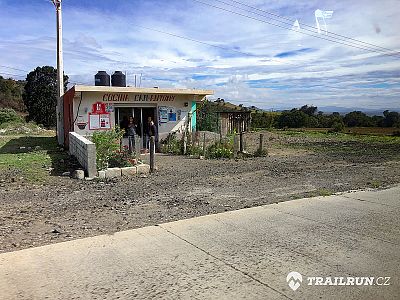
x=245 y=254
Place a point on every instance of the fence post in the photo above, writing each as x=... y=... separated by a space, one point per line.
x=260 y=148
x=241 y=142
x=204 y=144
x=152 y=153
x=235 y=145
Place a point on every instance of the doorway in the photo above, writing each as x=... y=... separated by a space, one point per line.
x=141 y=116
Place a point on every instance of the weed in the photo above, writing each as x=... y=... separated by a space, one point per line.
x=107 y=143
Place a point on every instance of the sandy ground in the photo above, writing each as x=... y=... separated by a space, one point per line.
x=183 y=187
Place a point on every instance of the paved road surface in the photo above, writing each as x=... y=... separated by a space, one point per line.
x=245 y=254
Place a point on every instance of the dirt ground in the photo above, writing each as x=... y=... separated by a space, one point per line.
x=297 y=166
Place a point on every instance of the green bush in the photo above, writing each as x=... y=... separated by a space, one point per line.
x=121 y=158
x=172 y=145
x=338 y=127
x=107 y=143
x=8 y=115
x=220 y=150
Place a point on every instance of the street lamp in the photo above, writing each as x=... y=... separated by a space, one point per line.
x=60 y=75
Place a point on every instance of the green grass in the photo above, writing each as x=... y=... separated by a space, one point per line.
x=31 y=157
x=369 y=138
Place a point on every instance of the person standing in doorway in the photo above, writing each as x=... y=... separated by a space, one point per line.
x=130 y=132
x=150 y=130
x=147 y=132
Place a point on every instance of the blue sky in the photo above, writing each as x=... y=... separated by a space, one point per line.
x=253 y=63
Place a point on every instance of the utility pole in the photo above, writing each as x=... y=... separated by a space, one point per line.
x=60 y=75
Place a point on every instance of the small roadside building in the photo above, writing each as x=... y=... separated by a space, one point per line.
x=91 y=108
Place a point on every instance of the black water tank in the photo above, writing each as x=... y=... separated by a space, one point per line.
x=118 y=79
x=102 y=79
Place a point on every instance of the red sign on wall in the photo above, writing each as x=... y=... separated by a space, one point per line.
x=99 y=118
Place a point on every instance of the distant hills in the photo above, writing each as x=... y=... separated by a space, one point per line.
x=345 y=110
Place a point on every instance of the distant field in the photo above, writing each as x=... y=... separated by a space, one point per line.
x=356 y=130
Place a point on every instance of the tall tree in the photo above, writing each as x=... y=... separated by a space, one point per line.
x=40 y=95
x=11 y=94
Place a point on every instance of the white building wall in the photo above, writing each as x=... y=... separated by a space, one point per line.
x=176 y=107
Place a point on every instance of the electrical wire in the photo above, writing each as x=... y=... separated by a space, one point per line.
x=309 y=26
x=15 y=75
x=286 y=28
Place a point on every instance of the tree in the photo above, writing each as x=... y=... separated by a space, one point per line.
x=357 y=118
x=309 y=110
x=40 y=95
x=392 y=119
x=293 y=119
x=11 y=94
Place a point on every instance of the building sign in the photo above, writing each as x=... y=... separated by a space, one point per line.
x=99 y=118
x=171 y=114
x=139 y=98
x=163 y=114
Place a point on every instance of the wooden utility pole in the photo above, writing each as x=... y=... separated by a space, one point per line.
x=60 y=75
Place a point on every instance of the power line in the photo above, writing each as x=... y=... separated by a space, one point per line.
x=9 y=74
x=309 y=26
x=286 y=28
x=11 y=68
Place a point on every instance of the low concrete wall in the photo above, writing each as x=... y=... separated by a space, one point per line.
x=84 y=151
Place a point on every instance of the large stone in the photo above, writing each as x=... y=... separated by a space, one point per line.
x=143 y=169
x=78 y=174
x=101 y=174
x=113 y=173
x=129 y=171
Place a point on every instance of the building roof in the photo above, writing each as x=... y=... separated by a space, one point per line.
x=115 y=89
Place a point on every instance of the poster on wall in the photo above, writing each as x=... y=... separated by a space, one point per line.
x=99 y=118
x=109 y=107
x=171 y=114
x=163 y=113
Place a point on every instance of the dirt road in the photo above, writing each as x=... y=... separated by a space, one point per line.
x=65 y=209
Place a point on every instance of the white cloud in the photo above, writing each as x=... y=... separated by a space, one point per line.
x=112 y=37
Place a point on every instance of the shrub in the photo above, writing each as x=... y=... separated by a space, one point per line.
x=338 y=127
x=220 y=150
x=172 y=145
x=107 y=143
x=8 y=115
x=121 y=158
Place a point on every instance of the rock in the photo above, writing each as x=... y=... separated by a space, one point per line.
x=78 y=174
x=113 y=173
x=143 y=169
x=55 y=231
x=201 y=157
x=101 y=174
x=66 y=174
x=129 y=171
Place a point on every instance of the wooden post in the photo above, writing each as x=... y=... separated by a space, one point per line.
x=235 y=145
x=152 y=153
x=204 y=144
x=241 y=148
x=260 y=148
